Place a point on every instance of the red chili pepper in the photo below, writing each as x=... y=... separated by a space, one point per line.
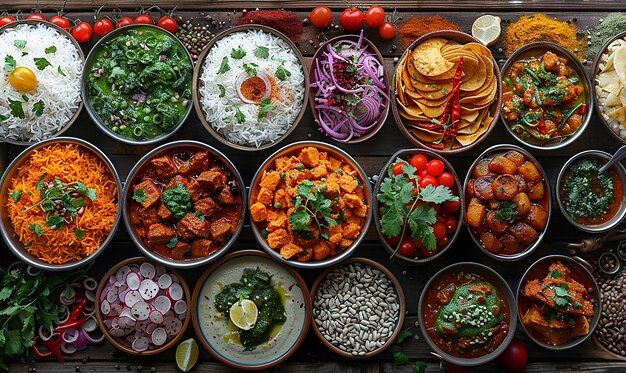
x=583 y=109
x=77 y=311
x=541 y=127
x=427 y=125
x=72 y=324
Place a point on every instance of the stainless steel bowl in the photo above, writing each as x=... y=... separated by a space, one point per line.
x=126 y=197
x=581 y=270
x=619 y=215
x=8 y=232
x=499 y=283
x=337 y=152
x=499 y=149
x=197 y=83
x=64 y=34
x=89 y=62
x=580 y=70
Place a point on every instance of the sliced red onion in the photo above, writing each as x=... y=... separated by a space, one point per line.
x=90 y=325
x=66 y=315
x=90 y=295
x=70 y=335
x=90 y=283
x=97 y=339
x=32 y=271
x=45 y=333
x=243 y=76
x=68 y=348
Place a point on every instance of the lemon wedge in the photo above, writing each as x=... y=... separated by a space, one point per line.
x=244 y=314
x=487 y=29
x=187 y=354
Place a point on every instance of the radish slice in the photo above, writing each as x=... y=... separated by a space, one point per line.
x=141 y=310
x=108 y=322
x=180 y=307
x=133 y=281
x=162 y=304
x=151 y=327
x=147 y=270
x=174 y=278
x=117 y=332
x=90 y=324
x=173 y=326
x=175 y=292
x=126 y=322
x=165 y=281
x=158 y=336
x=105 y=292
x=112 y=295
x=122 y=294
x=140 y=326
x=156 y=317
x=140 y=344
x=148 y=289
x=160 y=270
x=126 y=312
x=105 y=307
x=132 y=297
x=116 y=308
x=121 y=274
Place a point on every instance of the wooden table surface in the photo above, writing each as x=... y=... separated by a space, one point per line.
x=372 y=155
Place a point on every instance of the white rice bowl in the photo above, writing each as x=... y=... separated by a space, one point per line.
x=287 y=95
x=602 y=94
x=59 y=94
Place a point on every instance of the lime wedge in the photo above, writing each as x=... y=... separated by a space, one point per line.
x=244 y=314
x=187 y=354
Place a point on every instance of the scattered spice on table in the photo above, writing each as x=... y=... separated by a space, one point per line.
x=286 y=22
x=194 y=37
x=539 y=27
x=418 y=26
x=612 y=325
x=610 y=26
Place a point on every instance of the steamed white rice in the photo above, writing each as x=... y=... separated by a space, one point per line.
x=287 y=95
x=59 y=94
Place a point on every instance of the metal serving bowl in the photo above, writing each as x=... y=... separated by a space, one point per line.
x=595 y=70
x=457 y=188
x=577 y=66
x=499 y=283
x=87 y=70
x=494 y=109
x=197 y=83
x=621 y=172
x=382 y=117
x=291 y=150
x=539 y=270
x=64 y=34
x=128 y=191
x=8 y=232
x=548 y=190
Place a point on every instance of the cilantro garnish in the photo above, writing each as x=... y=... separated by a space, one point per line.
x=222 y=90
x=556 y=274
x=41 y=63
x=51 y=49
x=9 y=63
x=282 y=73
x=16 y=109
x=37 y=229
x=266 y=107
x=240 y=116
x=17 y=195
x=79 y=233
x=60 y=71
x=561 y=296
x=238 y=53
x=38 y=108
x=404 y=335
x=55 y=222
x=224 y=67
x=250 y=69
x=19 y=43
x=311 y=206
x=262 y=52
x=199 y=215
x=173 y=242
x=507 y=212
x=139 y=196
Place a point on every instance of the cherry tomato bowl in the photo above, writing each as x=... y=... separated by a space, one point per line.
x=449 y=214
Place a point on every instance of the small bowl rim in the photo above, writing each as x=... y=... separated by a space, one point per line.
x=368 y=192
x=76 y=114
x=125 y=200
x=113 y=340
x=382 y=117
x=200 y=284
x=598 y=298
x=581 y=71
x=548 y=189
x=616 y=257
x=197 y=74
x=619 y=215
x=508 y=294
x=375 y=205
x=594 y=70
x=85 y=97
x=19 y=252
x=401 y=305
x=456 y=36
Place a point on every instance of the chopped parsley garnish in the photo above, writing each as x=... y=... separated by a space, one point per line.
x=266 y=107
x=224 y=67
x=173 y=242
x=51 y=49
x=240 y=116
x=139 y=196
x=238 y=53
x=60 y=71
x=199 y=215
x=556 y=274
x=262 y=52
x=9 y=63
x=282 y=73
x=55 y=222
x=79 y=233
x=17 y=195
x=250 y=69
x=37 y=229
x=507 y=212
x=561 y=296
x=222 y=90
x=311 y=206
x=41 y=63
x=16 y=109
x=19 y=43
x=38 y=108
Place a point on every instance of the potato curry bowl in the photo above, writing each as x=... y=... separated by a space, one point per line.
x=310 y=205
x=508 y=202
x=184 y=204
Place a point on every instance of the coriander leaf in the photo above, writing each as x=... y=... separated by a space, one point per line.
x=173 y=242
x=299 y=220
x=87 y=192
x=400 y=358
x=3 y=117
x=420 y=221
x=222 y=90
x=262 y=52
x=437 y=194
x=250 y=69
x=79 y=233
x=282 y=73
x=556 y=274
x=25 y=98
x=13 y=342
x=51 y=49
x=38 y=108
x=19 y=43
x=240 y=116
x=507 y=212
x=55 y=221
x=238 y=53
x=5 y=293
x=266 y=107
x=41 y=63
x=16 y=109
x=39 y=185
x=37 y=229
x=17 y=195
x=139 y=196
x=419 y=367
x=404 y=335
x=199 y=215
x=224 y=67
x=60 y=71
x=391 y=224
x=9 y=63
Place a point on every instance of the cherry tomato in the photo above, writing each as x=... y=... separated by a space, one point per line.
x=387 y=30
x=419 y=161
x=352 y=19
x=397 y=168
x=514 y=358
x=443 y=242
x=321 y=17
x=62 y=22
x=435 y=167
x=37 y=16
x=446 y=179
x=425 y=252
x=407 y=248
x=82 y=32
x=5 y=20
x=375 y=16
x=168 y=23
x=144 y=19
x=451 y=225
x=103 y=26
x=124 y=21
x=439 y=230
x=452 y=206
x=393 y=241
x=428 y=180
